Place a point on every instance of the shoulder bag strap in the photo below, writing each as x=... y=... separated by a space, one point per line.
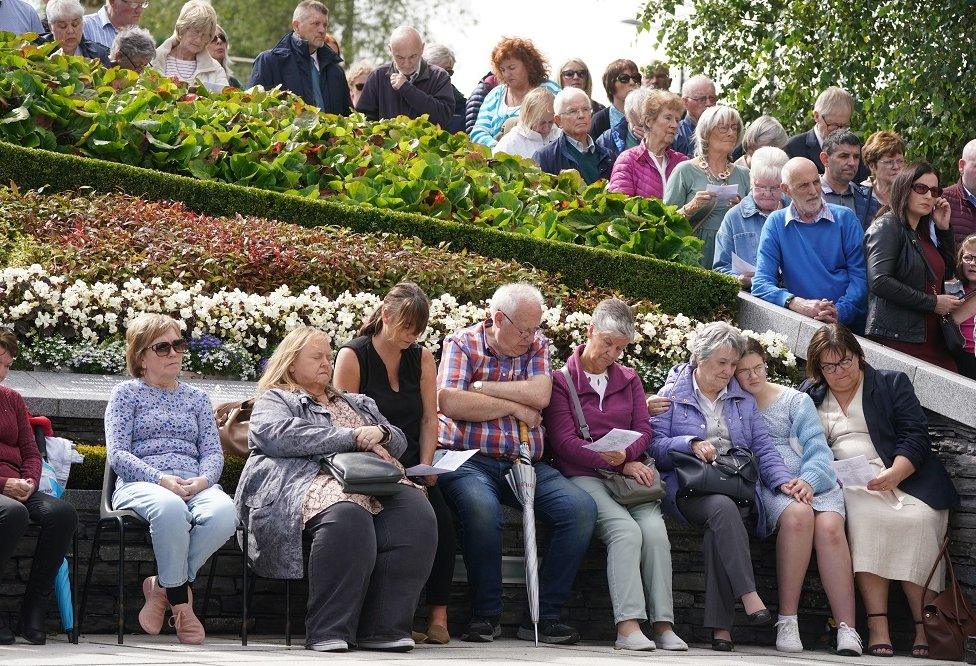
x=935 y=565
x=577 y=407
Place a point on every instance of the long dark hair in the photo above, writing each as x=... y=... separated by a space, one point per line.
x=901 y=189
x=407 y=303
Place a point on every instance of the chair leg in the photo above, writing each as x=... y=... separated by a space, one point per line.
x=95 y=552
x=244 y=593
x=121 y=571
x=73 y=634
x=206 y=594
x=288 y=612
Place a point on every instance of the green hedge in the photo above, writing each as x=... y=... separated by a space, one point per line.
x=689 y=290
x=87 y=475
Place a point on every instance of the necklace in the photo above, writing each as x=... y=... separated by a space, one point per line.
x=702 y=163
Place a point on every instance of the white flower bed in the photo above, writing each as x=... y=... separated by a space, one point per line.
x=41 y=304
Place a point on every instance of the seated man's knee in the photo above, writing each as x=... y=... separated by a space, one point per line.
x=14 y=519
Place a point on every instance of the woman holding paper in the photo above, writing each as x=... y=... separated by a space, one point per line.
x=638 y=549
x=814 y=518
x=386 y=363
x=897 y=523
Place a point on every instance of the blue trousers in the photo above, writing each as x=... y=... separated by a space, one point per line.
x=477 y=491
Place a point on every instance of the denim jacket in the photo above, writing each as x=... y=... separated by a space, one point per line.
x=739 y=233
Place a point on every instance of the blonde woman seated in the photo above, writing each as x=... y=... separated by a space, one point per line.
x=814 y=518
x=184 y=56
x=535 y=128
x=370 y=556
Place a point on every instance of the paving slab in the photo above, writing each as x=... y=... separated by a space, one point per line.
x=100 y=650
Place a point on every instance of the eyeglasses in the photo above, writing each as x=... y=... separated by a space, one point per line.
x=525 y=333
x=769 y=189
x=574 y=73
x=164 y=348
x=219 y=39
x=892 y=164
x=831 y=368
x=359 y=86
x=724 y=129
x=578 y=111
x=969 y=259
x=919 y=188
x=135 y=4
x=627 y=78
x=757 y=371
x=701 y=99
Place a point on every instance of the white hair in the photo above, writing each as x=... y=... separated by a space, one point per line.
x=614 y=316
x=634 y=104
x=135 y=43
x=63 y=10
x=565 y=97
x=694 y=82
x=404 y=32
x=714 y=336
x=763 y=131
x=508 y=296
x=768 y=162
x=440 y=55
x=832 y=98
x=712 y=118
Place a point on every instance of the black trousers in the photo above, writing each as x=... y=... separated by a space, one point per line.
x=57 y=520
x=366 y=572
x=442 y=575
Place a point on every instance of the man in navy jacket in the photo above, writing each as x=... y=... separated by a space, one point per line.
x=303 y=64
x=832 y=111
x=408 y=86
x=575 y=148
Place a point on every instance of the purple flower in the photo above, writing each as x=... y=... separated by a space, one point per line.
x=205 y=343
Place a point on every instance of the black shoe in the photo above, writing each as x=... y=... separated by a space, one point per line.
x=553 y=632
x=481 y=630
x=760 y=618
x=6 y=636
x=722 y=645
x=33 y=627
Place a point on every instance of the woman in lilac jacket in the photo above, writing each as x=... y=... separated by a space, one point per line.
x=644 y=169
x=709 y=414
x=638 y=550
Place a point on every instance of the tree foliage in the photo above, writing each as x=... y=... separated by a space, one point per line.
x=909 y=65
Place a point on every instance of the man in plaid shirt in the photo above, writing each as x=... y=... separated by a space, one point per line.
x=493 y=375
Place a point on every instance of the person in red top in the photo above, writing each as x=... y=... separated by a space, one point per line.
x=962 y=195
x=20 y=503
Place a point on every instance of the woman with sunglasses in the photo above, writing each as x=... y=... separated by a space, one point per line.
x=357 y=76
x=619 y=78
x=897 y=522
x=910 y=253
x=163 y=444
x=575 y=74
x=219 y=49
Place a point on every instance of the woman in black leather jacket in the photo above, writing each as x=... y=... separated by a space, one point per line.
x=909 y=251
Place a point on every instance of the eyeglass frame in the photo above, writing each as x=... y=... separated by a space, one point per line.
x=701 y=99
x=757 y=371
x=525 y=334
x=935 y=191
x=133 y=4
x=968 y=259
x=573 y=73
x=844 y=363
x=636 y=78
x=169 y=345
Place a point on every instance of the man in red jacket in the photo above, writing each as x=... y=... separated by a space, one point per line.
x=962 y=195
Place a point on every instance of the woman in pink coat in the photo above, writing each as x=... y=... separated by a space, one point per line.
x=644 y=169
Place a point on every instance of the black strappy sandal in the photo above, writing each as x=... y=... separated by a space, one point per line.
x=920 y=651
x=882 y=649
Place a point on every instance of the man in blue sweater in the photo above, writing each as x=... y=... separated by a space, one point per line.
x=815 y=251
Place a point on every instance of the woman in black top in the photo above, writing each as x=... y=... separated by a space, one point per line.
x=386 y=363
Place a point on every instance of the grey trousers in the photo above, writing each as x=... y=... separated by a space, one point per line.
x=366 y=572
x=728 y=564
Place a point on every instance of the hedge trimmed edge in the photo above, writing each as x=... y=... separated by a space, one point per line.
x=676 y=288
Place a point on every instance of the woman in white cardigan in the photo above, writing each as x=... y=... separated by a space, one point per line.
x=184 y=55
x=535 y=128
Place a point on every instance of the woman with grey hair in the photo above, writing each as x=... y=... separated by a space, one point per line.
x=710 y=414
x=184 y=56
x=738 y=235
x=65 y=18
x=611 y=396
x=763 y=131
x=133 y=48
x=443 y=57
x=705 y=187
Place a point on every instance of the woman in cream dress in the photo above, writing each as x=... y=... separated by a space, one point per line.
x=897 y=523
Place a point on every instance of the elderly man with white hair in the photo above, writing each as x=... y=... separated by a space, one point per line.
x=832 y=111
x=103 y=26
x=409 y=85
x=66 y=19
x=575 y=148
x=493 y=377
x=303 y=63
x=738 y=237
x=698 y=94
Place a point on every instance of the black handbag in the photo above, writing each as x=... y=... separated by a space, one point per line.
x=733 y=474
x=364 y=473
x=950 y=329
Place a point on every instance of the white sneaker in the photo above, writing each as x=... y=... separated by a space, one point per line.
x=788 y=636
x=670 y=641
x=636 y=641
x=848 y=641
x=329 y=646
x=399 y=645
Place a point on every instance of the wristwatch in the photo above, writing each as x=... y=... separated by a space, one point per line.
x=789 y=299
x=477 y=386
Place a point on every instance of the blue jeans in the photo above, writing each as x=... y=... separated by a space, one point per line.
x=185 y=533
x=477 y=491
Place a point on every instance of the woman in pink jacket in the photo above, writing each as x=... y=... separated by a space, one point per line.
x=644 y=169
x=638 y=550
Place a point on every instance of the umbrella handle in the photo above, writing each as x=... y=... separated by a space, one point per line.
x=523 y=433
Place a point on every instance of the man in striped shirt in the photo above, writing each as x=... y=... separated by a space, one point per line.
x=493 y=375
x=102 y=26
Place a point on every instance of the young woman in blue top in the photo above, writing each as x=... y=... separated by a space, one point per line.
x=813 y=517
x=163 y=444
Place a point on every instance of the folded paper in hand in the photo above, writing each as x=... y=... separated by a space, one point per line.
x=723 y=192
x=742 y=267
x=444 y=462
x=856 y=471
x=615 y=440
